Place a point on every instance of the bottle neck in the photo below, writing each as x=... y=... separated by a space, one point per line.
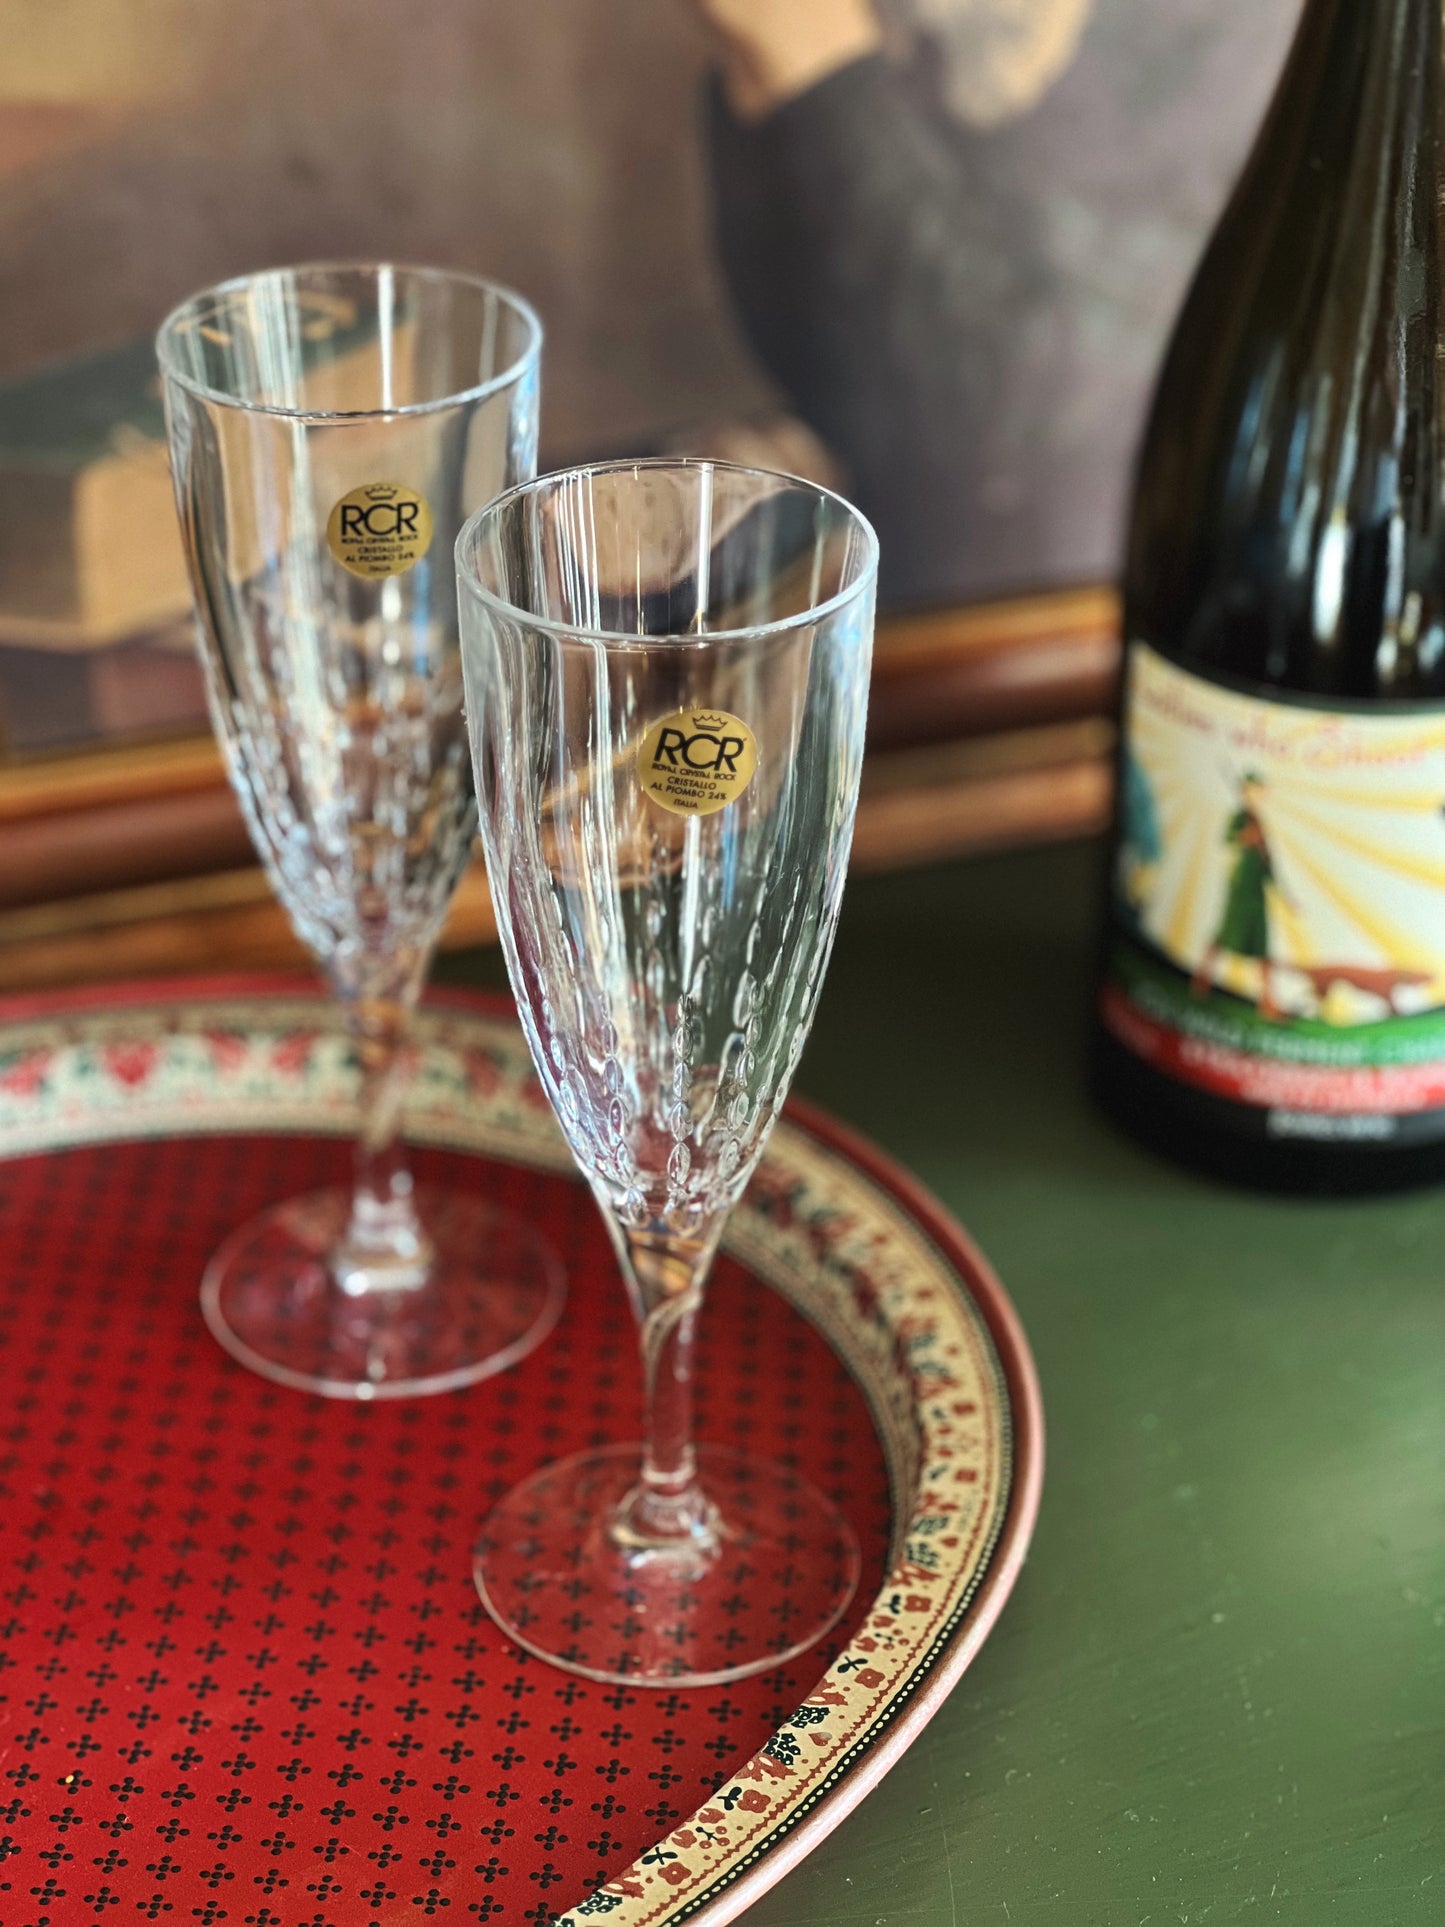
x=1348 y=30
x=1353 y=66
x=1291 y=507
x=1360 y=85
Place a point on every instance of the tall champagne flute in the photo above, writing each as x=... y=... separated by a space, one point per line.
x=666 y=667
x=330 y=428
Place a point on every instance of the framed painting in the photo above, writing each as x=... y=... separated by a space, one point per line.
x=926 y=249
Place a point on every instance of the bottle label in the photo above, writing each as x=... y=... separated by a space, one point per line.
x=1279 y=897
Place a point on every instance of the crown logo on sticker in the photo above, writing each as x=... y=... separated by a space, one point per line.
x=697 y=761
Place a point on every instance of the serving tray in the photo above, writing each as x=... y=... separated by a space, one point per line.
x=245 y=1677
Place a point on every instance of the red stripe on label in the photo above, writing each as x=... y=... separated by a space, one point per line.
x=1269 y=1082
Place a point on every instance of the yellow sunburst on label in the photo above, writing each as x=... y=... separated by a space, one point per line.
x=697 y=761
x=379 y=529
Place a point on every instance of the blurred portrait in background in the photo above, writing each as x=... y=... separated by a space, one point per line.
x=956 y=231
x=925 y=249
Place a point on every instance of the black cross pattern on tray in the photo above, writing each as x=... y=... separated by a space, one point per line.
x=245 y=1677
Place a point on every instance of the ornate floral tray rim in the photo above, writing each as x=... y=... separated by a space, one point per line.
x=709 y=1880
x=1010 y=1549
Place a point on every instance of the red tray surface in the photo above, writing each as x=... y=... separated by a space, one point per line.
x=243 y=1674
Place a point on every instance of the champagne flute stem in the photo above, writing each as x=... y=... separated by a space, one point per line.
x=384 y=1247
x=667 y=1508
x=669 y=1464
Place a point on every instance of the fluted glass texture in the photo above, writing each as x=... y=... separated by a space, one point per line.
x=337 y=694
x=667 y=965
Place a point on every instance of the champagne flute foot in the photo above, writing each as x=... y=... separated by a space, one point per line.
x=552 y=1573
x=272 y=1299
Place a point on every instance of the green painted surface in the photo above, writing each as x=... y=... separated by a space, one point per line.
x=1218 y=1693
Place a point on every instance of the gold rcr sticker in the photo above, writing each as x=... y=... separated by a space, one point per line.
x=380 y=529
x=697 y=761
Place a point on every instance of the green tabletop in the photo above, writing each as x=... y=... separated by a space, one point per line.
x=1218 y=1692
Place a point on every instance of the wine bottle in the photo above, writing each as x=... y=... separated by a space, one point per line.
x=1272 y=989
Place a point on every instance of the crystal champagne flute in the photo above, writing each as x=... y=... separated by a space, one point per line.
x=330 y=429
x=666 y=667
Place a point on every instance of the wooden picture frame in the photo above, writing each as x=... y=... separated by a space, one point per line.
x=989 y=726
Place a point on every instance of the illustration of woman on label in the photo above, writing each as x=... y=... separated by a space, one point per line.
x=1244 y=927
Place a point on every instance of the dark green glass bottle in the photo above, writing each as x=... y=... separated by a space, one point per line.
x=1272 y=996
